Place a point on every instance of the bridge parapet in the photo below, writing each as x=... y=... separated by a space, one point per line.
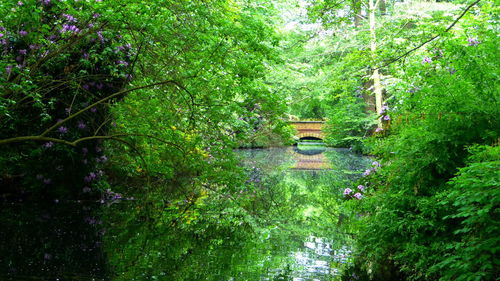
x=309 y=129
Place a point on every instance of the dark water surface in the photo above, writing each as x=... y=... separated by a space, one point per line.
x=287 y=231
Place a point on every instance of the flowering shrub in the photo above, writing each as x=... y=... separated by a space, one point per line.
x=56 y=59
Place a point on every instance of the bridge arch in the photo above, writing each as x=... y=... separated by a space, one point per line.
x=311 y=130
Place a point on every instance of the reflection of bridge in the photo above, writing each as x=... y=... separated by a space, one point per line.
x=308 y=129
x=305 y=160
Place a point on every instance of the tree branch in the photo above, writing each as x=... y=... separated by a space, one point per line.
x=430 y=39
x=104 y=100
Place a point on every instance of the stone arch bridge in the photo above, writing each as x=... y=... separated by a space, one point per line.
x=309 y=129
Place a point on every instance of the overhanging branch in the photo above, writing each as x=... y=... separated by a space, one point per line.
x=432 y=38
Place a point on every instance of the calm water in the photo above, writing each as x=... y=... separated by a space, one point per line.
x=282 y=225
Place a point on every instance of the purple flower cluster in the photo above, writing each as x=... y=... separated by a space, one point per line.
x=384 y=109
x=81 y=125
x=90 y=177
x=69 y=18
x=48 y=145
x=121 y=62
x=472 y=41
x=374 y=167
x=348 y=192
x=426 y=60
x=62 y=130
x=111 y=195
x=70 y=28
x=101 y=159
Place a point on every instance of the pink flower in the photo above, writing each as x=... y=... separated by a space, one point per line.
x=23 y=33
x=427 y=60
x=347 y=191
x=358 y=196
x=361 y=187
x=378 y=130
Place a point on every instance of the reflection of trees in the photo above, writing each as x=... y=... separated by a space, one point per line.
x=46 y=242
x=248 y=234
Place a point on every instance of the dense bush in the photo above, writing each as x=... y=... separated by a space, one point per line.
x=421 y=220
x=56 y=60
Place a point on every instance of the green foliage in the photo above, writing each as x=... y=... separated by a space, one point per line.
x=473 y=199
x=420 y=221
x=56 y=59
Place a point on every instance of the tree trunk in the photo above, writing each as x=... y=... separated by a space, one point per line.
x=377 y=87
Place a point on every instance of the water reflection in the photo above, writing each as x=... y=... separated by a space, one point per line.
x=52 y=241
x=305 y=183
x=279 y=226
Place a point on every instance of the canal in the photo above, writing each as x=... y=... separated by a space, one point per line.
x=282 y=224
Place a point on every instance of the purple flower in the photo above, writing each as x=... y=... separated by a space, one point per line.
x=93 y=109
x=376 y=164
x=19 y=3
x=45 y=2
x=3 y=42
x=8 y=69
x=23 y=33
x=99 y=34
x=121 y=62
x=85 y=56
x=62 y=130
x=69 y=18
x=96 y=15
x=358 y=196
x=48 y=145
x=69 y=27
x=98 y=149
x=86 y=87
x=427 y=60
x=472 y=41
x=34 y=47
x=347 y=191
x=378 y=130
x=1 y=35
x=387 y=118
x=81 y=125
x=361 y=187
x=367 y=172
x=103 y=158
x=384 y=109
